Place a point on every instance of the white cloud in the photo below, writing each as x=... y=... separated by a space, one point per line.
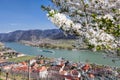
x=14 y=24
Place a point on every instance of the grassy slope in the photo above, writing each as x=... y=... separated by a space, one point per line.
x=20 y=59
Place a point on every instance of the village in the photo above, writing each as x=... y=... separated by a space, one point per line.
x=6 y=53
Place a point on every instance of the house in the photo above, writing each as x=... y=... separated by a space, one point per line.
x=19 y=54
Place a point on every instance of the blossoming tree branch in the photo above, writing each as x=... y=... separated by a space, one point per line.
x=97 y=22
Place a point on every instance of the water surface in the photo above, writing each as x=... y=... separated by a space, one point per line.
x=82 y=55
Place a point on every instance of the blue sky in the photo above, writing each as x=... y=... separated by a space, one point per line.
x=23 y=15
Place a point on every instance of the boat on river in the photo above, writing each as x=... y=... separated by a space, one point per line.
x=48 y=51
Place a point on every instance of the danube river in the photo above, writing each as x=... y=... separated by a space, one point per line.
x=82 y=55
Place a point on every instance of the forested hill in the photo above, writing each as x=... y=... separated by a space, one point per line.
x=30 y=35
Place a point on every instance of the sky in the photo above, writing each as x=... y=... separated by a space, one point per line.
x=23 y=15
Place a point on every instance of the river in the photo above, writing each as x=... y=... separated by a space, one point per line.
x=82 y=55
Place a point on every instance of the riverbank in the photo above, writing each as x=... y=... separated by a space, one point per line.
x=7 y=53
x=54 y=44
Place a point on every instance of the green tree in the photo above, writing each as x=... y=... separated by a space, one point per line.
x=96 y=22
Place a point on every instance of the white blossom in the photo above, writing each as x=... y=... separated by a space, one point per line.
x=119 y=11
x=61 y=20
x=95 y=35
x=77 y=26
x=108 y=16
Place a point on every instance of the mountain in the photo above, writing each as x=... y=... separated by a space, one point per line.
x=30 y=35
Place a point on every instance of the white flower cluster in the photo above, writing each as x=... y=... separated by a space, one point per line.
x=100 y=38
x=60 y=20
x=63 y=22
x=94 y=37
x=108 y=16
x=119 y=11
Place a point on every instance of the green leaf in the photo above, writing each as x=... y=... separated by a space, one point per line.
x=96 y=2
x=82 y=15
x=114 y=10
x=90 y=46
x=99 y=47
x=94 y=15
x=44 y=8
x=86 y=5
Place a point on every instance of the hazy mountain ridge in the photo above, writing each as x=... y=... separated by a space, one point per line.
x=30 y=35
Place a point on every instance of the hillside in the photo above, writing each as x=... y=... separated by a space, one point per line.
x=31 y=35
